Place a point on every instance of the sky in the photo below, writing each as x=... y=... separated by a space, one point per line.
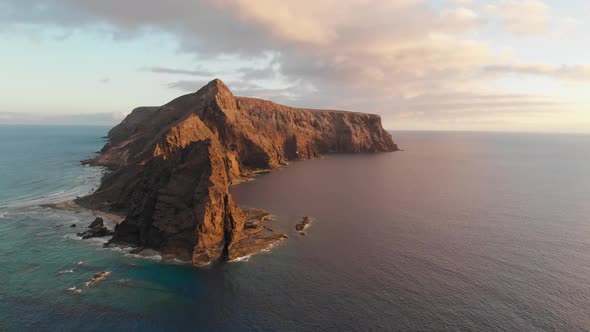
x=504 y=65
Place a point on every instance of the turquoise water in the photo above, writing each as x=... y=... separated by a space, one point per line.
x=461 y=231
x=39 y=249
x=42 y=163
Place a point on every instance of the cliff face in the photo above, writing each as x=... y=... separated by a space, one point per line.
x=172 y=166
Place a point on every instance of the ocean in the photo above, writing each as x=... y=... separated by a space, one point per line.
x=460 y=231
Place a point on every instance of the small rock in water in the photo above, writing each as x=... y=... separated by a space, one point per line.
x=96 y=229
x=303 y=224
x=73 y=225
x=98 y=222
x=98 y=277
x=96 y=232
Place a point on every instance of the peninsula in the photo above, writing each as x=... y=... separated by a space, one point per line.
x=171 y=168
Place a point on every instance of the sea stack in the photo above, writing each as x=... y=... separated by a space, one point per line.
x=171 y=167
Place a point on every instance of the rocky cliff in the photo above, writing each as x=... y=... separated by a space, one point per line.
x=172 y=166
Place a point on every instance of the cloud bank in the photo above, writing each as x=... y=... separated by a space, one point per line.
x=390 y=57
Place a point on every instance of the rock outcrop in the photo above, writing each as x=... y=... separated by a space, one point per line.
x=172 y=166
x=96 y=229
x=301 y=226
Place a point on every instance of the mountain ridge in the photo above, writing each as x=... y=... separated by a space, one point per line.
x=172 y=166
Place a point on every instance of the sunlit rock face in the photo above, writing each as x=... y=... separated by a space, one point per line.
x=172 y=166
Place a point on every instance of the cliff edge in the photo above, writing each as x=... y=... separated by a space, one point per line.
x=172 y=166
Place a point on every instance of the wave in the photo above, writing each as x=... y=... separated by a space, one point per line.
x=270 y=246
x=86 y=185
x=50 y=198
x=179 y=261
x=241 y=259
x=125 y=251
x=157 y=258
x=74 y=290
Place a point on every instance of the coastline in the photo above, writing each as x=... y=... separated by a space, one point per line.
x=171 y=167
x=71 y=205
x=257 y=238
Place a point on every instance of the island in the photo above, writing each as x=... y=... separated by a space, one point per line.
x=171 y=168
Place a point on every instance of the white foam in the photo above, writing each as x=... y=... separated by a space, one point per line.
x=118 y=249
x=62 y=195
x=126 y=251
x=157 y=258
x=72 y=237
x=272 y=245
x=66 y=271
x=98 y=240
x=241 y=259
x=74 y=289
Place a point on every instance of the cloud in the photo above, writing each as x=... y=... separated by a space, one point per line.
x=526 y=18
x=174 y=71
x=464 y=18
x=476 y=111
x=364 y=43
x=462 y=2
x=372 y=56
x=568 y=73
x=481 y=103
x=523 y=17
x=187 y=85
x=243 y=88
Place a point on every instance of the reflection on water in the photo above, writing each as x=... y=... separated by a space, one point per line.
x=460 y=231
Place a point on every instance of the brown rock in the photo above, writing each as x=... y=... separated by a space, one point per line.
x=99 y=231
x=95 y=229
x=303 y=224
x=98 y=222
x=98 y=277
x=171 y=167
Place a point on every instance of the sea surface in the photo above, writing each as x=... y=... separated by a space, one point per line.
x=461 y=232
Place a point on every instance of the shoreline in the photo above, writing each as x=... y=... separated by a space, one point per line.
x=258 y=237
x=71 y=205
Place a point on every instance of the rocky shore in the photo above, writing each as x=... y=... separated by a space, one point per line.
x=114 y=217
x=171 y=168
x=302 y=225
x=96 y=229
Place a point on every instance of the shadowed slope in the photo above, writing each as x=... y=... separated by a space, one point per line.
x=172 y=166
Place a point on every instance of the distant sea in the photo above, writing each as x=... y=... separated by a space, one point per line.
x=461 y=231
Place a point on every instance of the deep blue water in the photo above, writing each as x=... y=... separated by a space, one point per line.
x=461 y=231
